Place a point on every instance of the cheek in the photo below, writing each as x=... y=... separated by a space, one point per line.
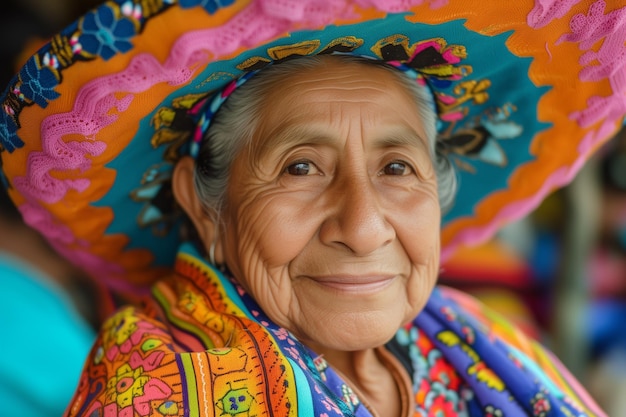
x=418 y=231
x=268 y=232
x=288 y=231
x=417 y=224
x=420 y=285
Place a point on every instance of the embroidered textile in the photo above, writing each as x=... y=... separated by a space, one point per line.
x=202 y=347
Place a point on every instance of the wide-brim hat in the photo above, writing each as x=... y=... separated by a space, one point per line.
x=93 y=123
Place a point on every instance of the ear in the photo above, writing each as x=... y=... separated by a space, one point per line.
x=186 y=196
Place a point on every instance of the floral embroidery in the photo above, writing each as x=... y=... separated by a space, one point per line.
x=320 y=366
x=433 y=57
x=349 y=397
x=276 y=54
x=9 y=141
x=126 y=384
x=37 y=83
x=235 y=401
x=478 y=141
x=438 y=388
x=541 y=405
x=159 y=209
x=105 y=33
x=491 y=411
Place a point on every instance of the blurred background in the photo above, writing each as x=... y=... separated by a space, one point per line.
x=49 y=311
x=559 y=274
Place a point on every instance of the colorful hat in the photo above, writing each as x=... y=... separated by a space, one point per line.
x=93 y=123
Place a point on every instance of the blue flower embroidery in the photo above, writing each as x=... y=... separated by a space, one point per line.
x=210 y=6
x=104 y=34
x=37 y=83
x=8 y=133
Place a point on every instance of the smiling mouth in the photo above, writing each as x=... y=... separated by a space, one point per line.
x=355 y=284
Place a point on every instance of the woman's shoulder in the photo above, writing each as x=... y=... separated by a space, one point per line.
x=492 y=322
x=501 y=355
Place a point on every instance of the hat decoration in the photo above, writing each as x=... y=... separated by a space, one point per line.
x=93 y=123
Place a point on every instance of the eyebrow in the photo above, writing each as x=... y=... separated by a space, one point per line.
x=295 y=135
x=403 y=137
x=301 y=135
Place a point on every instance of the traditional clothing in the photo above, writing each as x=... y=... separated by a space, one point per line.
x=200 y=346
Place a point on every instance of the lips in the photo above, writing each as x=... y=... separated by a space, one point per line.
x=355 y=283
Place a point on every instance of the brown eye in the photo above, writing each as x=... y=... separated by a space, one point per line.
x=396 y=168
x=301 y=168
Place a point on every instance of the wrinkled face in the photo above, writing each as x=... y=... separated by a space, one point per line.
x=332 y=218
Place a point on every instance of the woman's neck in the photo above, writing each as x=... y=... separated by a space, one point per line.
x=370 y=376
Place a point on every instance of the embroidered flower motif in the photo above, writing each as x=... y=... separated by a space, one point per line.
x=349 y=397
x=541 y=405
x=448 y=313
x=441 y=401
x=433 y=57
x=437 y=384
x=469 y=334
x=126 y=384
x=37 y=83
x=321 y=365
x=159 y=212
x=105 y=34
x=236 y=401
x=9 y=140
x=441 y=372
x=281 y=333
x=491 y=411
x=134 y=11
x=210 y=6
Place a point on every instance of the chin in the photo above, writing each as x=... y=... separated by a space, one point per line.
x=353 y=334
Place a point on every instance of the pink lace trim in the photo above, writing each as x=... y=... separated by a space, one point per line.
x=546 y=11
x=394 y=6
x=609 y=62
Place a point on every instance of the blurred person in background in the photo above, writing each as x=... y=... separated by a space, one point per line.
x=50 y=308
x=48 y=318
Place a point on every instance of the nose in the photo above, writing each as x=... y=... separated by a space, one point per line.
x=357 y=220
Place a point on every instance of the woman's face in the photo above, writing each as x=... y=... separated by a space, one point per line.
x=332 y=218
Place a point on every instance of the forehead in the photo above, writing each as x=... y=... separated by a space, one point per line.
x=337 y=80
x=335 y=95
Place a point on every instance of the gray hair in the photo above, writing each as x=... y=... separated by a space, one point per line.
x=233 y=127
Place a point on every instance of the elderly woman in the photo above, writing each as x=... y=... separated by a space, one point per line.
x=315 y=147
x=319 y=209
x=321 y=206
x=330 y=215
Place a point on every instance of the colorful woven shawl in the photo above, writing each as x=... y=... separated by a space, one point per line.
x=202 y=347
